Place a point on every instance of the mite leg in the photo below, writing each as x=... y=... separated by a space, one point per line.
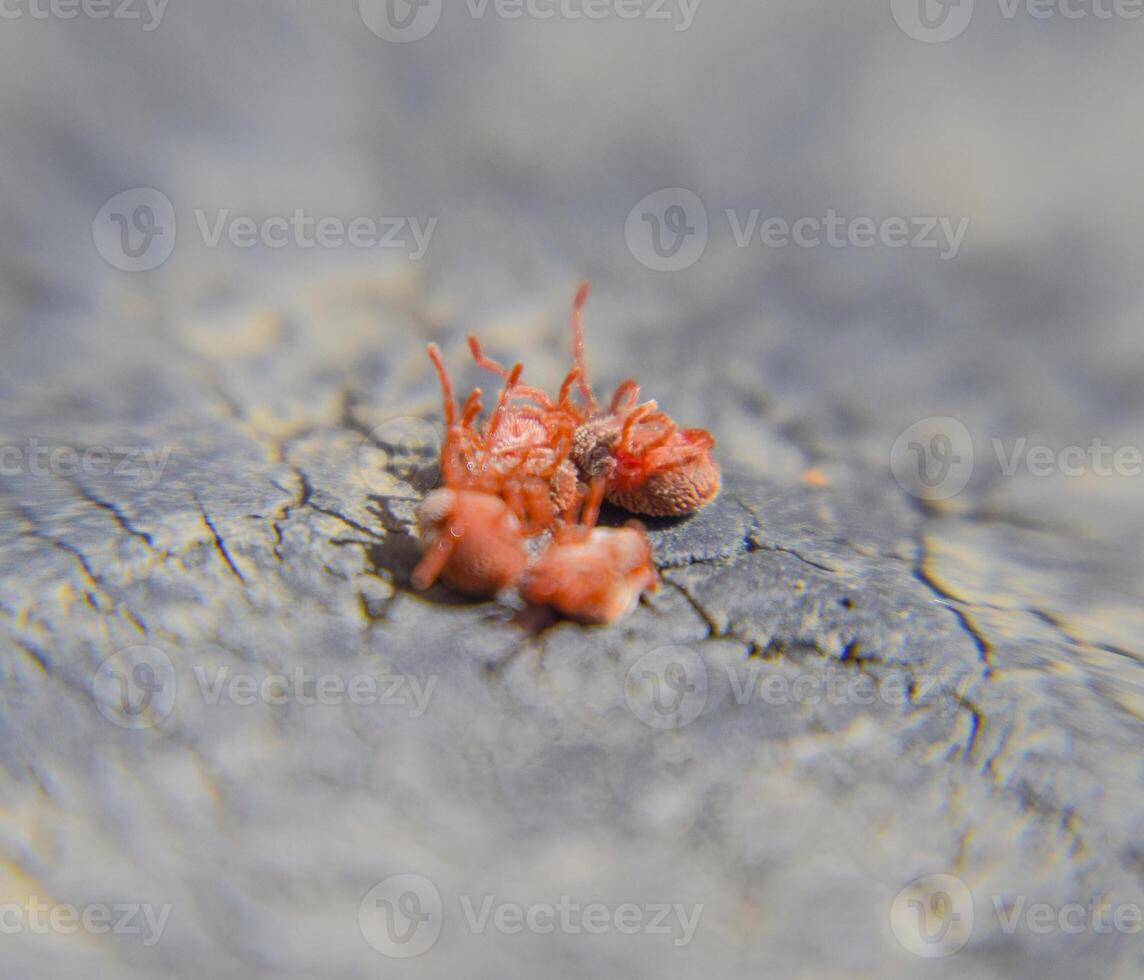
x=578 y=347
x=446 y=385
x=590 y=512
x=471 y=409
x=564 y=400
x=498 y=412
x=541 y=513
x=635 y=416
x=486 y=363
x=434 y=559
x=628 y=392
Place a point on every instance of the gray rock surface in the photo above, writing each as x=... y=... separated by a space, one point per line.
x=223 y=706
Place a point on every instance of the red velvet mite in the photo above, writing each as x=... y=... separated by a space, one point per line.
x=522 y=490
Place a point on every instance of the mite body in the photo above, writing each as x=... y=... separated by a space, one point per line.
x=651 y=466
x=597 y=577
x=537 y=469
x=473 y=542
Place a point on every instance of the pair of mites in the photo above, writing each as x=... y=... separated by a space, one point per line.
x=522 y=489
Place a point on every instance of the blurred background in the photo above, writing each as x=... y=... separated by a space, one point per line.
x=895 y=242
x=500 y=152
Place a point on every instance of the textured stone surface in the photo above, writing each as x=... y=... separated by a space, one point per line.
x=866 y=689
